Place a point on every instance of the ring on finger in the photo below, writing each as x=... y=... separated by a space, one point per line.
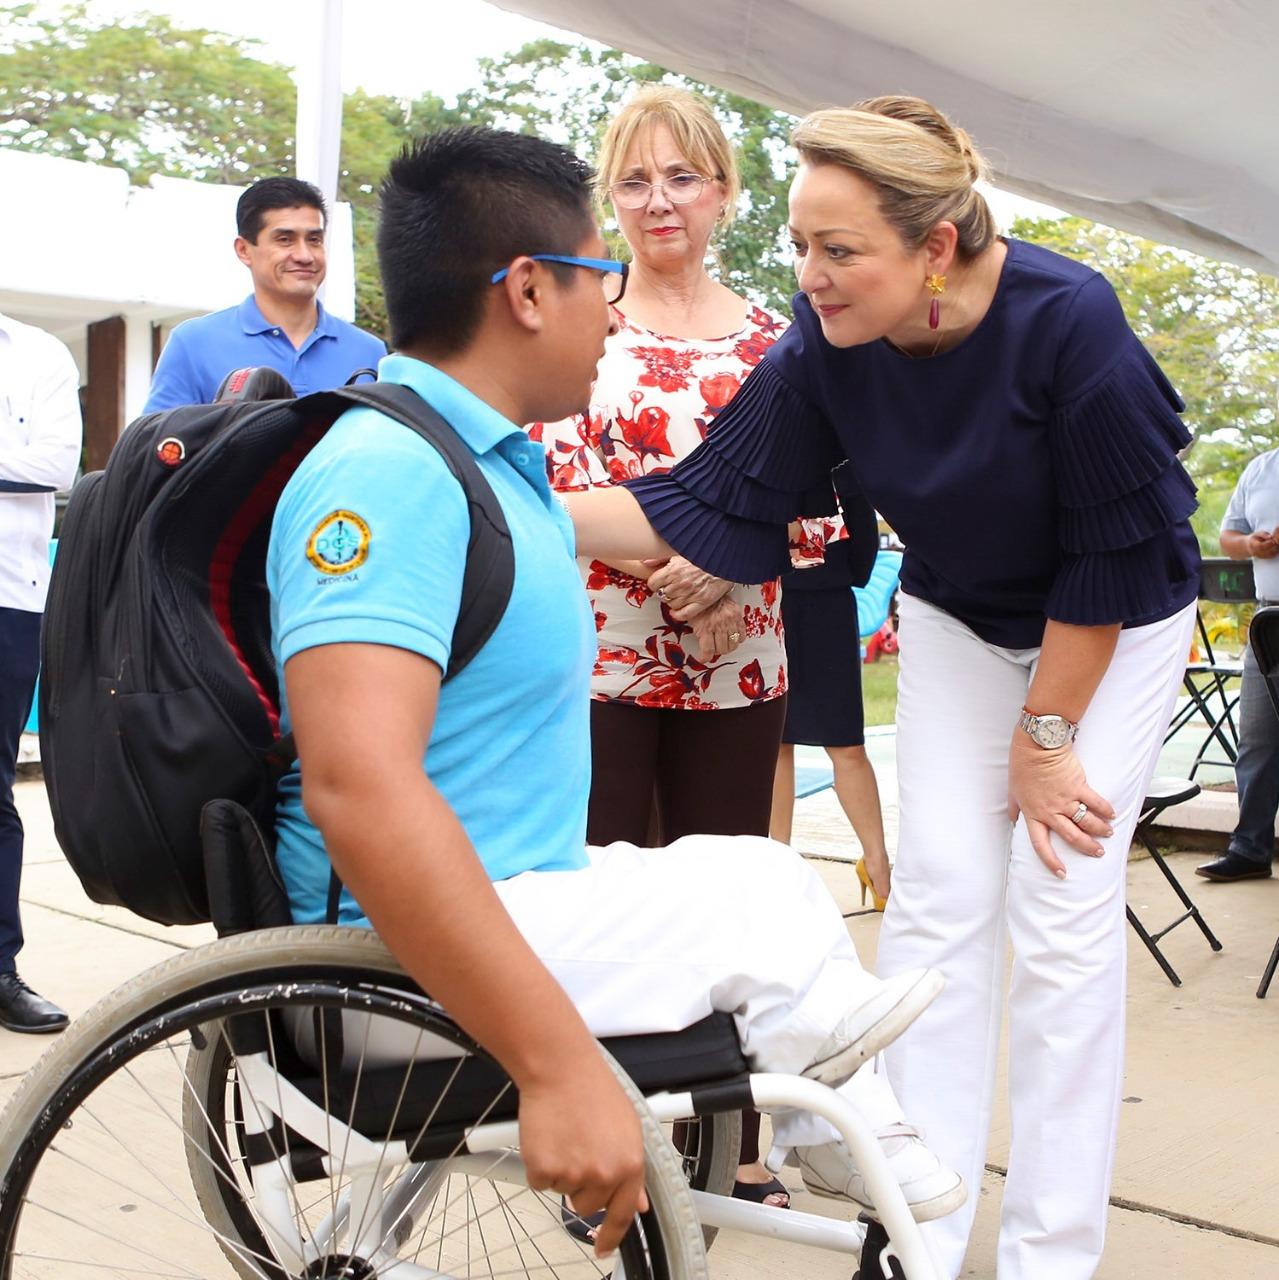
x=735 y=637
x=1080 y=814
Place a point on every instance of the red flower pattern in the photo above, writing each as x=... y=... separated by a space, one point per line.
x=718 y=389
x=751 y=681
x=665 y=368
x=654 y=400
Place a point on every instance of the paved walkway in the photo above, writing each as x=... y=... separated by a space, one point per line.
x=1197 y=1182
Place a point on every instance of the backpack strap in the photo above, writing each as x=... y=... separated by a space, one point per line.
x=489 y=575
x=490 y=560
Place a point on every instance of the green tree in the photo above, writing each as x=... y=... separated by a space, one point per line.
x=147 y=96
x=570 y=92
x=152 y=97
x=1213 y=328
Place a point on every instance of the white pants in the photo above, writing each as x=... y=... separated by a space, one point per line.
x=647 y=940
x=966 y=883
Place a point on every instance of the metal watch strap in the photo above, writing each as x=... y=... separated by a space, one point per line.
x=1029 y=723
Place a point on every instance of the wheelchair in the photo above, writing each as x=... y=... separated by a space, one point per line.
x=248 y=1110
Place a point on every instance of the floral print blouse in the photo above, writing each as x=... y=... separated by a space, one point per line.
x=654 y=399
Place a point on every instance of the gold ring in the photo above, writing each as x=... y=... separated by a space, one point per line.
x=735 y=636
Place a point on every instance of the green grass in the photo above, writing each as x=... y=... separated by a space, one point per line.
x=879 y=691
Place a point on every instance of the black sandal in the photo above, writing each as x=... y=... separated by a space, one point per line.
x=758 y=1192
x=581 y=1228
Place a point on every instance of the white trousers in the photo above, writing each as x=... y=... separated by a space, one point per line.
x=967 y=883
x=648 y=940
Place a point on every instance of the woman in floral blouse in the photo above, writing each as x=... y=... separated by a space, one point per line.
x=688 y=710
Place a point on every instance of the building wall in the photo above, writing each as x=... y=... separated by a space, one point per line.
x=80 y=244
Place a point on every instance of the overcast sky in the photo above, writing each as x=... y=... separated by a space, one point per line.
x=388 y=46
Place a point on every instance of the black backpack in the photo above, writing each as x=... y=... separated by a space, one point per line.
x=158 y=693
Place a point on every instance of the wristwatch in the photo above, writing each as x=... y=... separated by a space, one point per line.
x=1050 y=732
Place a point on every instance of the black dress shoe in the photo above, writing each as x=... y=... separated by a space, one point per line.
x=21 y=1009
x=1233 y=866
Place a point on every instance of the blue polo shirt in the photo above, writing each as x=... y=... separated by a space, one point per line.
x=369 y=545
x=201 y=352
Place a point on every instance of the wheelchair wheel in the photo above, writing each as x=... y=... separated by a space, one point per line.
x=246 y=1110
x=709 y=1151
x=707 y=1148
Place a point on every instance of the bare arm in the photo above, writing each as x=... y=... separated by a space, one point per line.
x=363 y=715
x=1048 y=786
x=1249 y=546
x=612 y=526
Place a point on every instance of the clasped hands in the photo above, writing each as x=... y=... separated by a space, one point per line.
x=1049 y=787
x=1264 y=545
x=701 y=600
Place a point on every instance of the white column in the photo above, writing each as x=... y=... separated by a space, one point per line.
x=137 y=364
x=319 y=81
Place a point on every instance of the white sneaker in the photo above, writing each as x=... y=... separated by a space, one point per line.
x=931 y=1189
x=874 y=1024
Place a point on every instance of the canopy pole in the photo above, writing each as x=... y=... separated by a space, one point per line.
x=319 y=119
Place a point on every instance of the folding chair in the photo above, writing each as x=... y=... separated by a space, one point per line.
x=1161 y=794
x=1263 y=636
x=1207 y=680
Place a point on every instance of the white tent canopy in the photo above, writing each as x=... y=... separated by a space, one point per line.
x=1160 y=117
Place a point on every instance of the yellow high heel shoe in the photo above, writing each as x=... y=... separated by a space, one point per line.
x=863 y=877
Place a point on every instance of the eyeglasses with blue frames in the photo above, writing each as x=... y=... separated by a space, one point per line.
x=613 y=275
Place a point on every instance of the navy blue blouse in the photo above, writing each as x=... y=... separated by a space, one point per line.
x=1031 y=471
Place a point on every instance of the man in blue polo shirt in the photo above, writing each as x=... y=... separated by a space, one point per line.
x=282 y=323
x=454 y=814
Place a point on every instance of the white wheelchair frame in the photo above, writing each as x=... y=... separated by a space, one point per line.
x=372 y=1204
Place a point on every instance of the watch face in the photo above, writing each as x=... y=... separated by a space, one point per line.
x=1052 y=731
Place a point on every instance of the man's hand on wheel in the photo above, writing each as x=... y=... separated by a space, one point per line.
x=580 y=1136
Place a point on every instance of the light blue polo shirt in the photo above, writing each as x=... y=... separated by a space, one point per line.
x=1254 y=508
x=369 y=545
x=201 y=352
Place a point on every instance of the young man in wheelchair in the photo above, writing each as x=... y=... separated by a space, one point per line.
x=453 y=812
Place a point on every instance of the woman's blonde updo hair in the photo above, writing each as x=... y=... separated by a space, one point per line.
x=921 y=166
x=693 y=127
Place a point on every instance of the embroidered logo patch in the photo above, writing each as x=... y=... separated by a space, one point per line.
x=170 y=451
x=339 y=543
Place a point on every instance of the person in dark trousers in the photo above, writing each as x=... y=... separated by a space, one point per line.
x=40 y=435
x=823 y=655
x=1250 y=531
x=281 y=225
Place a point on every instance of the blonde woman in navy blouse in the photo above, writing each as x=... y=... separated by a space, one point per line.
x=995 y=407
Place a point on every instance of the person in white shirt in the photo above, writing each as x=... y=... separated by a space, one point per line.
x=40 y=436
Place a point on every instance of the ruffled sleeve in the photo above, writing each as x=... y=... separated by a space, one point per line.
x=1123 y=496
x=766 y=462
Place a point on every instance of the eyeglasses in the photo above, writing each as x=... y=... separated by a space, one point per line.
x=613 y=288
x=680 y=188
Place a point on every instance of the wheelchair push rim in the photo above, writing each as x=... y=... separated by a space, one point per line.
x=102 y=1145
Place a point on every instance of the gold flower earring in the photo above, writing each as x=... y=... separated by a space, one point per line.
x=937 y=286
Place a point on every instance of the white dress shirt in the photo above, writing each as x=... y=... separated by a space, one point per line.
x=40 y=435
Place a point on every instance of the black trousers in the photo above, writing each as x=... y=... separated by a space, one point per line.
x=659 y=774
x=694 y=772
x=19 y=666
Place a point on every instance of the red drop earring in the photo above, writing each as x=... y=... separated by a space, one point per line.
x=937 y=286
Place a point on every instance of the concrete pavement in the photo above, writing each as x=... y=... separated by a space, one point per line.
x=1197 y=1180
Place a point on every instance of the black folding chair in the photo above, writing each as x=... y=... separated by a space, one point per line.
x=1263 y=636
x=1207 y=680
x=1161 y=794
